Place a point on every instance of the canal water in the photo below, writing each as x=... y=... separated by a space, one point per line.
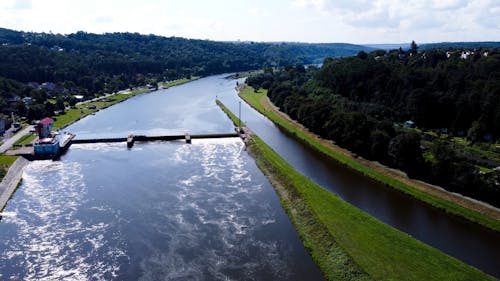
x=159 y=211
x=186 y=212
x=461 y=239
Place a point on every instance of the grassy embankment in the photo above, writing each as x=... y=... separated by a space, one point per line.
x=255 y=100
x=173 y=83
x=5 y=162
x=83 y=110
x=345 y=242
x=80 y=111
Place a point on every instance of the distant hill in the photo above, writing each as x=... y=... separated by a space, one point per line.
x=387 y=47
x=132 y=53
x=458 y=45
x=442 y=45
x=90 y=65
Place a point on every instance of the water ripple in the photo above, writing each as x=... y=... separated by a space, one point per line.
x=52 y=242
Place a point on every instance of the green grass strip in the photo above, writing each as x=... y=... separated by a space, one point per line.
x=5 y=162
x=345 y=242
x=254 y=99
x=7 y=159
x=26 y=139
x=82 y=110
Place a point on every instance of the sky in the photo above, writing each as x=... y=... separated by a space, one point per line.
x=350 y=21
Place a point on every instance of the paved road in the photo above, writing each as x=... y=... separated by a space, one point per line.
x=10 y=181
x=9 y=142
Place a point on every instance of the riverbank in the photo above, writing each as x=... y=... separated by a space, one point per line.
x=345 y=242
x=84 y=109
x=11 y=180
x=14 y=174
x=452 y=203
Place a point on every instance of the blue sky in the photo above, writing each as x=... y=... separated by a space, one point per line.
x=352 y=21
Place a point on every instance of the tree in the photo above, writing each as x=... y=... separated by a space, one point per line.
x=406 y=154
x=72 y=101
x=413 y=47
x=60 y=104
x=443 y=168
x=362 y=55
x=379 y=145
x=476 y=132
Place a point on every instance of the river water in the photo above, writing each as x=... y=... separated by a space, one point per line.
x=185 y=212
x=159 y=211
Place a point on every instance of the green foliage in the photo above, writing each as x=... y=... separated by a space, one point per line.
x=346 y=243
x=255 y=101
x=354 y=101
x=26 y=139
x=5 y=162
x=406 y=153
x=91 y=65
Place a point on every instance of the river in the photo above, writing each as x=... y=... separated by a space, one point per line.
x=158 y=211
x=201 y=211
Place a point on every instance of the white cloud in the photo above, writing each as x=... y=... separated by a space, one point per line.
x=408 y=15
x=104 y=19
x=357 y=21
x=15 y=4
x=319 y=5
x=448 y=4
x=22 y=4
x=255 y=12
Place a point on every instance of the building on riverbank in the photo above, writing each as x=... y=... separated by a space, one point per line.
x=47 y=144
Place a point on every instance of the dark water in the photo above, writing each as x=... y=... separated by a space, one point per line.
x=466 y=241
x=160 y=211
x=179 y=212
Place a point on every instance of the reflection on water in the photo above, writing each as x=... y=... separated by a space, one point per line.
x=45 y=238
x=166 y=211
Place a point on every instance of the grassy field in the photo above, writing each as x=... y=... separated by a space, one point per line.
x=177 y=82
x=26 y=139
x=254 y=99
x=345 y=242
x=85 y=109
x=80 y=111
x=5 y=162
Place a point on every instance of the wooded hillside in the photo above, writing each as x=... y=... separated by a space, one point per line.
x=434 y=114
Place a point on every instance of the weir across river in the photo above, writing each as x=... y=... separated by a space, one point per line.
x=132 y=138
x=28 y=153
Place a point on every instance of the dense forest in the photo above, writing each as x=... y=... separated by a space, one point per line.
x=90 y=64
x=374 y=102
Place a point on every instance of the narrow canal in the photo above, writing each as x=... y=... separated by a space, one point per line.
x=191 y=212
x=463 y=240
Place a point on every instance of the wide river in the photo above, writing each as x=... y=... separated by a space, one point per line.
x=173 y=211
x=159 y=211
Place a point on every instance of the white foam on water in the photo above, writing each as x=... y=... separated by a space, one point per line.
x=52 y=242
x=101 y=147
x=216 y=203
x=8 y=214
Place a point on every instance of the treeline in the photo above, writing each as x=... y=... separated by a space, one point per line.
x=90 y=64
x=359 y=101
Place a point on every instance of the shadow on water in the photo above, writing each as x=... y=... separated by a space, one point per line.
x=455 y=236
